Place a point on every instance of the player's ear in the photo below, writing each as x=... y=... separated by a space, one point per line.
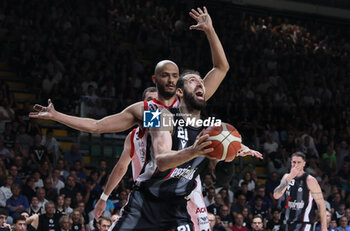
x=179 y=92
x=154 y=79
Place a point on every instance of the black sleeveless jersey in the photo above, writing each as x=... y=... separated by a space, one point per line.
x=300 y=205
x=179 y=181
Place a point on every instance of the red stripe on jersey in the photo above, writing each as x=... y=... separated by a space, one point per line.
x=145 y=105
x=162 y=104
x=169 y=174
x=132 y=151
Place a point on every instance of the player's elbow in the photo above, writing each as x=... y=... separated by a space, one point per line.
x=276 y=196
x=225 y=67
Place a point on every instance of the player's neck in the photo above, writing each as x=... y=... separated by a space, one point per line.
x=166 y=101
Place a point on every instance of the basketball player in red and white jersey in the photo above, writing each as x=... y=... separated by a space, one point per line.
x=165 y=77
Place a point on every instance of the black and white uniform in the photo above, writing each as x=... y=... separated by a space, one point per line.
x=159 y=201
x=300 y=205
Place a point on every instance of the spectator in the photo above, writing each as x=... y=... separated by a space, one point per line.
x=5 y=191
x=274 y=224
x=244 y=190
x=71 y=187
x=78 y=220
x=270 y=145
x=5 y=154
x=73 y=155
x=34 y=207
x=19 y=223
x=38 y=153
x=209 y=198
x=3 y=219
x=49 y=220
x=24 y=140
x=41 y=195
x=60 y=210
x=257 y=223
x=63 y=172
x=67 y=205
x=51 y=192
x=343 y=224
x=14 y=173
x=271 y=184
x=225 y=216
x=219 y=225
x=55 y=179
x=51 y=145
x=3 y=171
x=250 y=181
x=260 y=192
x=18 y=202
x=239 y=205
x=215 y=208
x=258 y=208
x=238 y=226
x=29 y=188
x=80 y=171
x=104 y=224
x=329 y=228
x=211 y=219
x=65 y=223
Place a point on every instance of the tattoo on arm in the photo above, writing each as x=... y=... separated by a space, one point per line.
x=317 y=195
x=280 y=187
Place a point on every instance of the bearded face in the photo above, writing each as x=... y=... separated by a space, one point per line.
x=166 y=90
x=193 y=100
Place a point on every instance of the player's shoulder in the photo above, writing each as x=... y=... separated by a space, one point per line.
x=311 y=179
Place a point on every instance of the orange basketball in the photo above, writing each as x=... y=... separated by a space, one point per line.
x=226 y=141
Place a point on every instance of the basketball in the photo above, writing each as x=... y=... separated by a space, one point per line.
x=226 y=141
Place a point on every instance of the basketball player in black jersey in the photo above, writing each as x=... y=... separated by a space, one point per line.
x=301 y=190
x=159 y=201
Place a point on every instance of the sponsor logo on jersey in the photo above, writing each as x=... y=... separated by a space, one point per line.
x=295 y=205
x=201 y=210
x=183 y=172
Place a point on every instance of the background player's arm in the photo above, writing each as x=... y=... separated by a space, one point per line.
x=280 y=189
x=316 y=193
x=286 y=179
x=114 y=123
x=162 y=145
x=117 y=174
x=220 y=64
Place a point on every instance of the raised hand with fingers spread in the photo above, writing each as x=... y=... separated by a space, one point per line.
x=203 y=19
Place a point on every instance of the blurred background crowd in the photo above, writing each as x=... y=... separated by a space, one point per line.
x=286 y=91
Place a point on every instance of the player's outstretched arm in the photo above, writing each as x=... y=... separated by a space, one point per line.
x=115 y=123
x=316 y=193
x=245 y=151
x=162 y=144
x=215 y=76
x=117 y=174
x=286 y=179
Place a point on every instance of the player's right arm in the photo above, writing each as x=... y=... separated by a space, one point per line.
x=117 y=174
x=286 y=179
x=114 y=123
x=162 y=144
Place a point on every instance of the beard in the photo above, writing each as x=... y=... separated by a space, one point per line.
x=163 y=92
x=191 y=101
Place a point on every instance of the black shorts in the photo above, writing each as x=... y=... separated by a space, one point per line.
x=143 y=212
x=298 y=227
